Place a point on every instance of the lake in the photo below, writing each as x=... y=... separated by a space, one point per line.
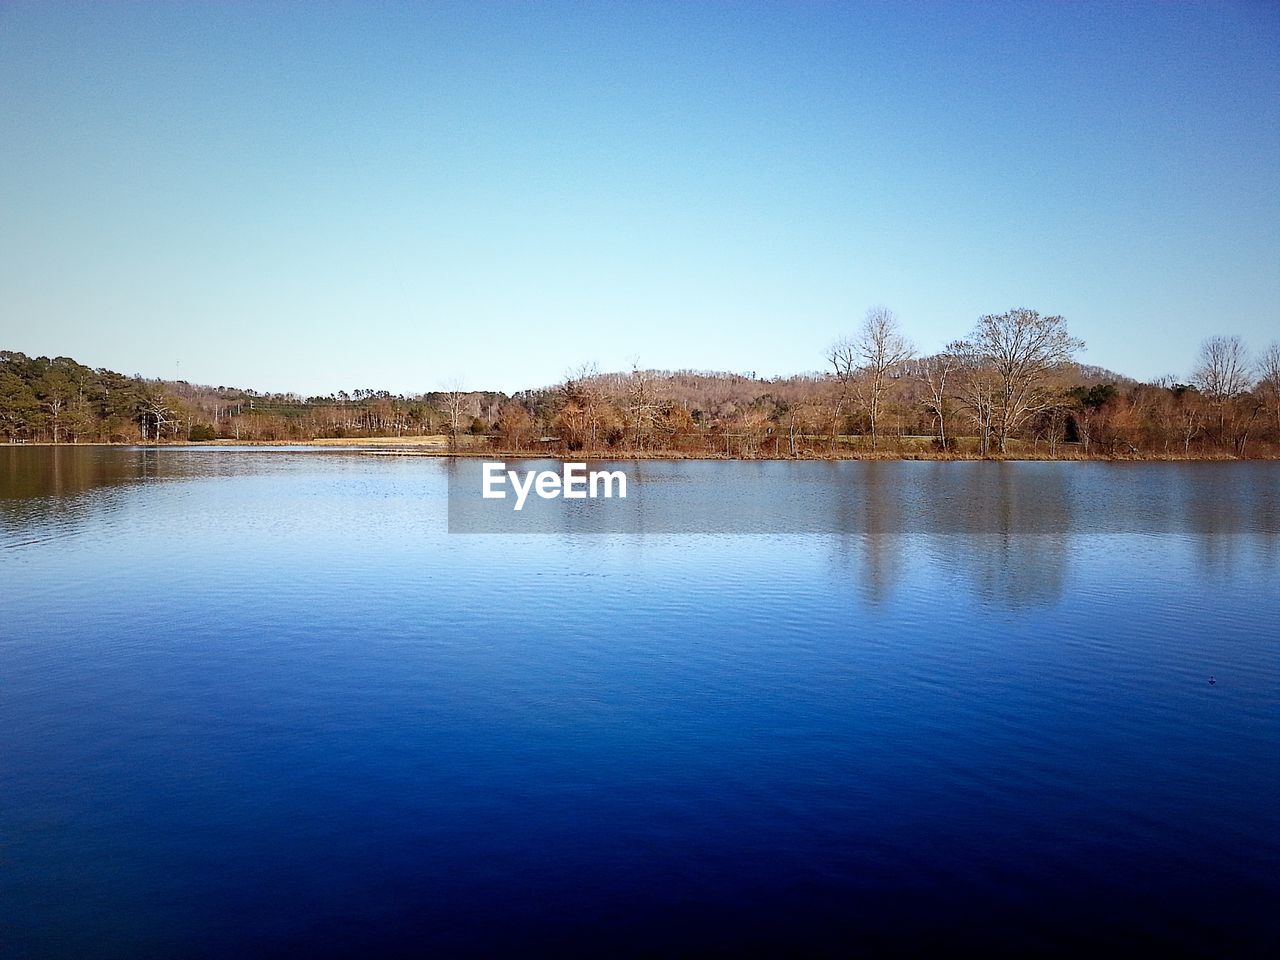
x=260 y=702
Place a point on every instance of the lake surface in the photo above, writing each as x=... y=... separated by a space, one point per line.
x=262 y=703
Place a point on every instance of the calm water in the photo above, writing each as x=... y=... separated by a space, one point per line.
x=263 y=704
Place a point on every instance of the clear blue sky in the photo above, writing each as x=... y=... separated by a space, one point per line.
x=318 y=197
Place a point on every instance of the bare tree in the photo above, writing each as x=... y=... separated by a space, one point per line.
x=934 y=372
x=156 y=407
x=1222 y=372
x=977 y=388
x=55 y=401
x=514 y=425
x=455 y=399
x=1054 y=429
x=866 y=361
x=1269 y=382
x=642 y=405
x=843 y=357
x=1189 y=414
x=55 y=391
x=582 y=401
x=1023 y=348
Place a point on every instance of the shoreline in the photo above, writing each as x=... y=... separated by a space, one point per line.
x=429 y=447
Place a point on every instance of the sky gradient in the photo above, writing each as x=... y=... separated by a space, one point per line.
x=324 y=197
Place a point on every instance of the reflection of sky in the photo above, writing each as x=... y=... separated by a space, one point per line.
x=260 y=678
x=889 y=497
x=1011 y=534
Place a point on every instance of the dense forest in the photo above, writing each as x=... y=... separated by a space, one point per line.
x=1012 y=387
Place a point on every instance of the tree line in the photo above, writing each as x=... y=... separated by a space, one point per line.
x=62 y=401
x=1013 y=386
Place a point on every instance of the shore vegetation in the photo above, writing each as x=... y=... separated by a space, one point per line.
x=1013 y=387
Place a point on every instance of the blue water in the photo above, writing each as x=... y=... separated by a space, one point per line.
x=263 y=704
